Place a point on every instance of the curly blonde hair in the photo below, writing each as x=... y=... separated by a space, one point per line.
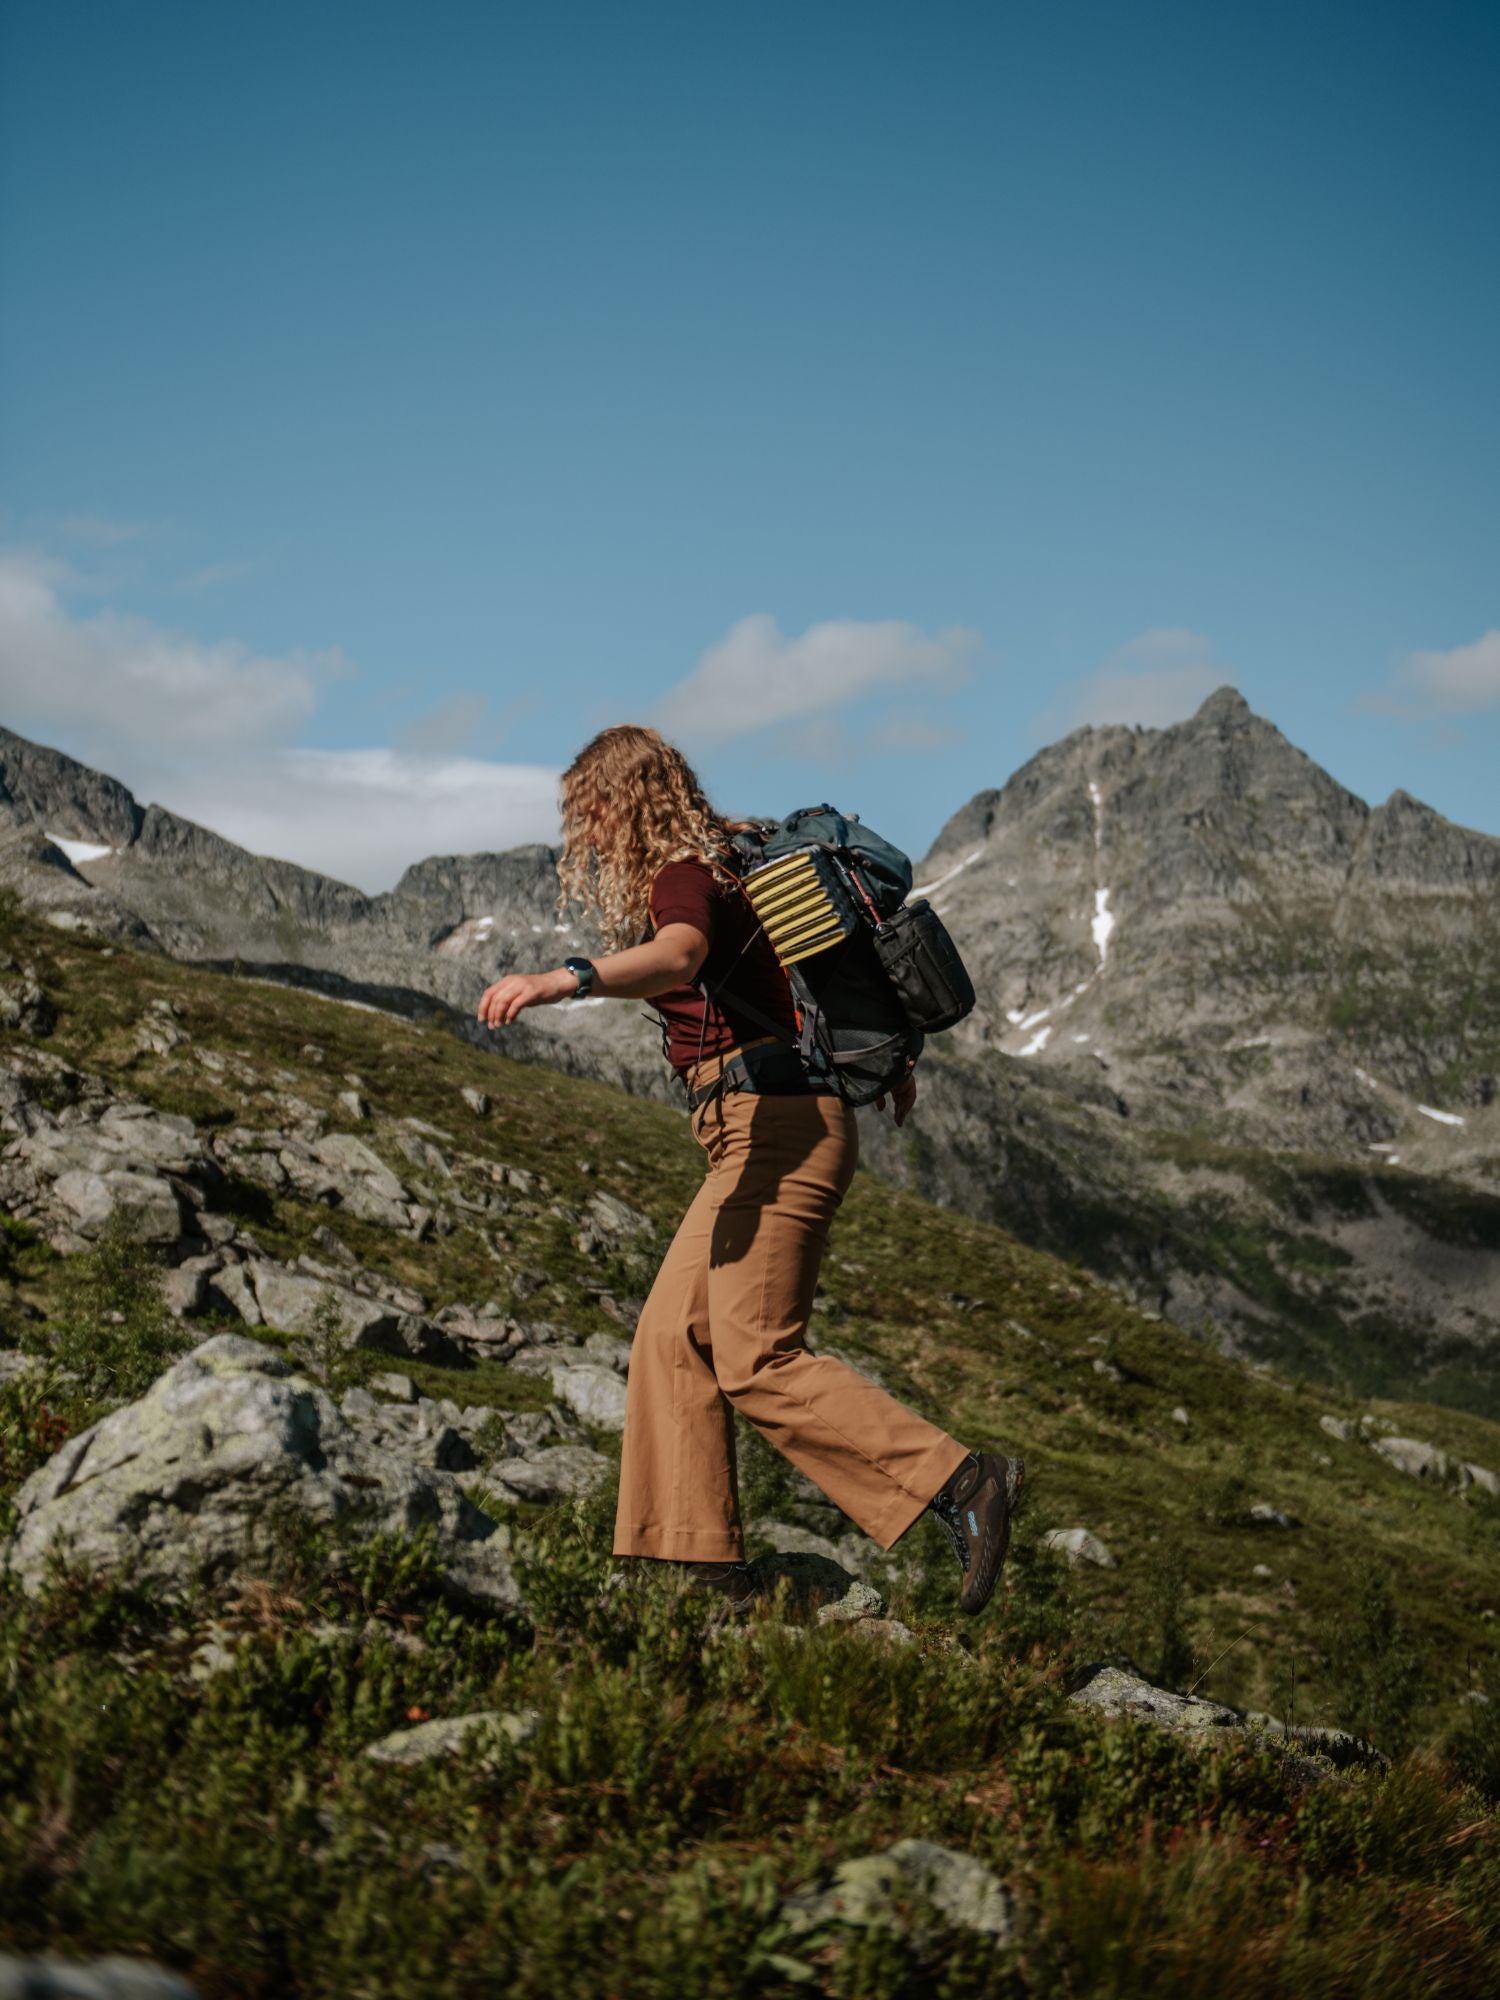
x=631 y=802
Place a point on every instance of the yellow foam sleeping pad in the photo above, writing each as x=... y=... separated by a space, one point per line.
x=802 y=904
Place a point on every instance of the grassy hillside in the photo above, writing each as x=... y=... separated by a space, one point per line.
x=683 y=1781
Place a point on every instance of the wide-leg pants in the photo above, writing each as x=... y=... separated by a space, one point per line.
x=724 y=1329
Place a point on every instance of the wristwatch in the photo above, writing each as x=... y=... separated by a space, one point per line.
x=582 y=970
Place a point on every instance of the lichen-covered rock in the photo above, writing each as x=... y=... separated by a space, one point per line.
x=867 y=1891
x=96 y=1165
x=1113 y=1691
x=24 y=1004
x=556 y=1473
x=1080 y=1545
x=89 y=1979
x=184 y=1291
x=447 y=1736
x=192 y=1478
x=294 y=1303
x=594 y=1393
x=417 y=1431
x=615 y=1218
x=1415 y=1458
x=144 y=1206
x=608 y=1351
x=861 y=1601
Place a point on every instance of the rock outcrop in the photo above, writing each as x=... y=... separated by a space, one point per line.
x=869 y=1890
x=189 y=1481
x=53 y=1978
x=1114 y=1691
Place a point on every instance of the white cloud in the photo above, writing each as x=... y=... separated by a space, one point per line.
x=1160 y=676
x=365 y=815
x=755 y=676
x=109 y=680
x=1457 y=682
x=210 y=729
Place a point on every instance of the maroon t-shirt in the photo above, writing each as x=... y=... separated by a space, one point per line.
x=688 y=892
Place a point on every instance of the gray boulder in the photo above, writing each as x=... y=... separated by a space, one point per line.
x=1113 y=1691
x=296 y=1304
x=1416 y=1458
x=861 y=1602
x=102 y=1162
x=189 y=1479
x=417 y=1432
x=94 y=1979
x=1199 y=1721
x=1079 y=1545
x=446 y=1736
x=614 y=1218
x=185 y=1291
x=608 y=1351
x=594 y=1394
x=145 y=1205
x=556 y=1473
x=866 y=1891
x=24 y=1005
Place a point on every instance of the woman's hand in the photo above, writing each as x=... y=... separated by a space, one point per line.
x=500 y=1003
x=903 y=1097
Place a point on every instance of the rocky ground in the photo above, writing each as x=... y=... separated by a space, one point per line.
x=317 y=1674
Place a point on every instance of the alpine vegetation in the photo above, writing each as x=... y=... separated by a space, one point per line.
x=317 y=1676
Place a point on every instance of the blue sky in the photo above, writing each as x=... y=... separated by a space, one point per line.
x=392 y=395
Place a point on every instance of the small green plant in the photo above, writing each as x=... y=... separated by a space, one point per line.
x=1170 y=1646
x=1473 y=1749
x=491 y=1440
x=39 y=1412
x=1376 y=1673
x=322 y=1349
x=1225 y=1500
x=111 y=1332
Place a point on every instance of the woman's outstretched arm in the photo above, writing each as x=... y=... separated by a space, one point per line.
x=671 y=958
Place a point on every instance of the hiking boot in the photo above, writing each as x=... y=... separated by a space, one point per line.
x=974 y=1507
x=735 y=1582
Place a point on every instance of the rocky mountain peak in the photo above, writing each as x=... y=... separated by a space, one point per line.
x=62 y=798
x=1226 y=706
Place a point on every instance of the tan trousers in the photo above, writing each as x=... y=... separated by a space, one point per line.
x=725 y=1327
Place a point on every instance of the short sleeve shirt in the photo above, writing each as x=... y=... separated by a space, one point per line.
x=688 y=892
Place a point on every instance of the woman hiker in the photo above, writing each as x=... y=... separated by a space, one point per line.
x=725 y=1326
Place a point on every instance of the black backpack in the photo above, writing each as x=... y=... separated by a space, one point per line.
x=871 y=975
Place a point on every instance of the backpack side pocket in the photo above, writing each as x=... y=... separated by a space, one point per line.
x=922 y=963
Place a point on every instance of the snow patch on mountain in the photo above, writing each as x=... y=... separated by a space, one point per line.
x=78 y=850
